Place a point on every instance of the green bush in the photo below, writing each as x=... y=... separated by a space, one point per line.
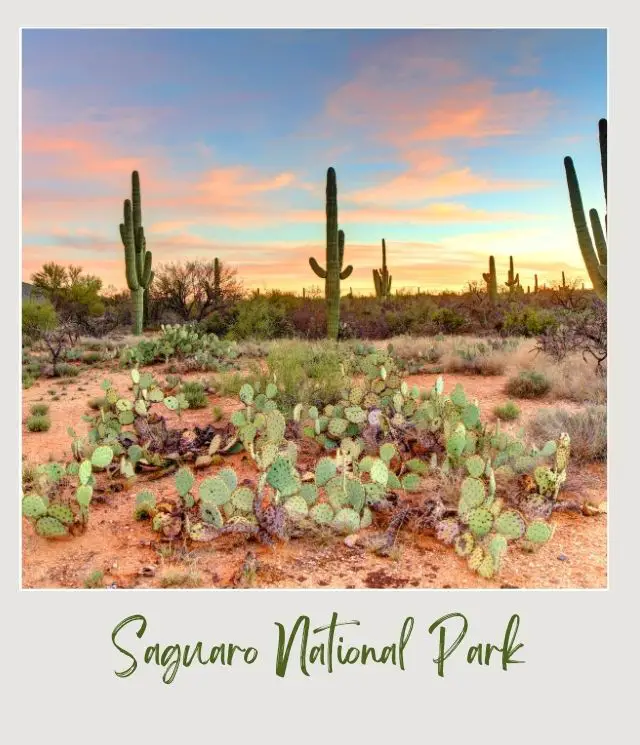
x=311 y=372
x=507 y=412
x=38 y=423
x=27 y=379
x=195 y=394
x=261 y=318
x=528 y=384
x=39 y=409
x=37 y=317
x=529 y=322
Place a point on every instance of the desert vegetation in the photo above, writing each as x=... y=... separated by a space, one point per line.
x=200 y=435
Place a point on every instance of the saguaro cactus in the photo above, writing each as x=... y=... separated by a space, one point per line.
x=594 y=260
x=381 y=277
x=491 y=279
x=514 y=279
x=137 y=258
x=335 y=256
x=216 y=283
x=535 y=286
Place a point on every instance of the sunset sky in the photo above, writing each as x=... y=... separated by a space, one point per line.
x=448 y=144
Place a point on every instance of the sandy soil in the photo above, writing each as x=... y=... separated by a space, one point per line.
x=130 y=555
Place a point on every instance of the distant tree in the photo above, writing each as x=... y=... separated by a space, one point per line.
x=190 y=290
x=73 y=295
x=37 y=317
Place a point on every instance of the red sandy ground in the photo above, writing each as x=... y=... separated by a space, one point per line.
x=130 y=555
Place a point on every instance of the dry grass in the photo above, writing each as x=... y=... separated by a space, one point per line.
x=573 y=379
x=586 y=427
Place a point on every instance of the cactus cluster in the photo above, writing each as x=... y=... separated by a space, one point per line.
x=381 y=277
x=334 y=258
x=595 y=259
x=54 y=518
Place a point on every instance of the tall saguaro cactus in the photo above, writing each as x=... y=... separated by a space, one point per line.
x=513 y=281
x=335 y=256
x=595 y=260
x=137 y=258
x=381 y=277
x=491 y=279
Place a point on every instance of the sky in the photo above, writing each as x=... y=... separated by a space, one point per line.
x=449 y=144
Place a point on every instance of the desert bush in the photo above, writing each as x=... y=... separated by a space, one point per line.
x=39 y=409
x=27 y=379
x=475 y=359
x=75 y=297
x=195 y=394
x=307 y=372
x=38 y=423
x=262 y=318
x=37 y=317
x=507 y=412
x=586 y=427
x=65 y=370
x=528 y=384
x=528 y=322
x=95 y=580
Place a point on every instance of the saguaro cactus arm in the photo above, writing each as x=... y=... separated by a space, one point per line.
x=595 y=259
x=592 y=261
x=346 y=272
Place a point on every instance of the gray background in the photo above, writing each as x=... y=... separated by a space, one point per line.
x=580 y=649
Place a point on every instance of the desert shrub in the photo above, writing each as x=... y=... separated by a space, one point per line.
x=38 y=317
x=216 y=413
x=27 y=380
x=65 y=370
x=95 y=580
x=447 y=320
x=91 y=357
x=39 y=409
x=195 y=394
x=475 y=359
x=528 y=384
x=307 y=372
x=528 y=322
x=38 y=423
x=507 y=412
x=261 y=318
x=586 y=427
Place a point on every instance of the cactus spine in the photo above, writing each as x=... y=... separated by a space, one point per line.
x=595 y=260
x=491 y=279
x=137 y=258
x=381 y=277
x=335 y=255
x=513 y=281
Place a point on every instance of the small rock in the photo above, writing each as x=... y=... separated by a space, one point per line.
x=148 y=571
x=202 y=461
x=562 y=557
x=351 y=540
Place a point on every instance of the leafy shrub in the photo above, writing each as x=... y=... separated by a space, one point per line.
x=27 y=380
x=261 y=318
x=39 y=409
x=307 y=372
x=529 y=322
x=586 y=427
x=447 y=320
x=38 y=317
x=528 y=384
x=38 y=423
x=195 y=394
x=507 y=412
